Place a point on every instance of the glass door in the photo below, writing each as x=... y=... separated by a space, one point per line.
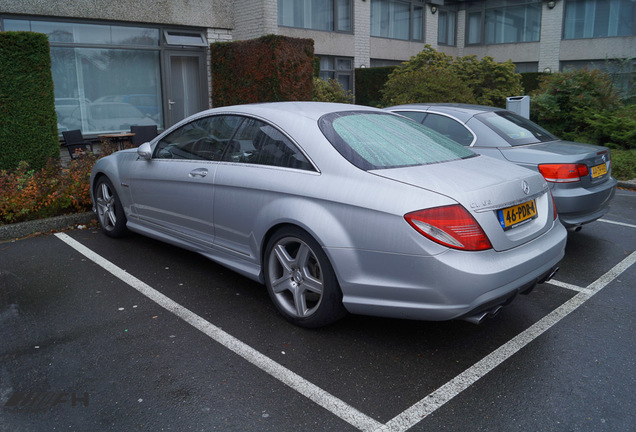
x=186 y=89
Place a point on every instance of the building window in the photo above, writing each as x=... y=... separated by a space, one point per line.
x=446 y=25
x=338 y=68
x=108 y=77
x=396 y=19
x=524 y=67
x=473 y=34
x=327 y=15
x=516 y=21
x=599 y=18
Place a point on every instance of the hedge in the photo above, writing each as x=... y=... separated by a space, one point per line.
x=28 y=130
x=369 y=84
x=268 y=69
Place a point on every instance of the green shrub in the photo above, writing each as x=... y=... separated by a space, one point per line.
x=269 y=69
x=566 y=101
x=614 y=129
x=438 y=77
x=530 y=81
x=427 y=84
x=624 y=164
x=490 y=82
x=330 y=91
x=28 y=125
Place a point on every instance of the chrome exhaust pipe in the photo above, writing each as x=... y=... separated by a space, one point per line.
x=480 y=317
x=550 y=276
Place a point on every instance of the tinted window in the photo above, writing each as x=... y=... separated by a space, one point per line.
x=202 y=139
x=377 y=140
x=258 y=143
x=450 y=128
x=515 y=129
x=418 y=116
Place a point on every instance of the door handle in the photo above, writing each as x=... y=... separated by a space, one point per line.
x=199 y=172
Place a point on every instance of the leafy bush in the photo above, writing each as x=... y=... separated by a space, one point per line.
x=491 y=83
x=428 y=84
x=566 y=101
x=28 y=194
x=329 y=91
x=28 y=129
x=614 y=129
x=624 y=164
x=432 y=76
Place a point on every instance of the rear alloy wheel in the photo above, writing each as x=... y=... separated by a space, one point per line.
x=110 y=212
x=300 y=279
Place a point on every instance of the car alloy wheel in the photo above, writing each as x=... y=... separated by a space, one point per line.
x=109 y=209
x=300 y=279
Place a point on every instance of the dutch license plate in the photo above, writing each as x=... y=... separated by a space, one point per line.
x=513 y=216
x=599 y=170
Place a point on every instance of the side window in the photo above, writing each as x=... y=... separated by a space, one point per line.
x=258 y=143
x=202 y=139
x=449 y=128
x=418 y=116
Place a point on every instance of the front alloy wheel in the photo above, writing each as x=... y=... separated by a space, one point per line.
x=109 y=209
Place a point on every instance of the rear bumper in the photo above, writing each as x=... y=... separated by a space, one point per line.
x=454 y=284
x=578 y=206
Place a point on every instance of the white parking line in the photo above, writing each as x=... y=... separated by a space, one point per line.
x=616 y=223
x=409 y=417
x=470 y=376
x=301 y=385
x=568 y=286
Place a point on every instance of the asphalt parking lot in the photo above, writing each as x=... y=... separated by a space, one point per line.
x=100 y=334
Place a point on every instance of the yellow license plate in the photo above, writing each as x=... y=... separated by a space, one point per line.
x=513 y=216
x=599 y=170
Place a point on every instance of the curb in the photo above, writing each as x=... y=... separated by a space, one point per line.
x=629 y=184
x=23 y=229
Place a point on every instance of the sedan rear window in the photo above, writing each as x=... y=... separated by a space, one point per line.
x=515 y=129
x=378 y=140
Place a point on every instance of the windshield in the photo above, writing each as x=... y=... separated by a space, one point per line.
x=515 y=129
x=378 y=140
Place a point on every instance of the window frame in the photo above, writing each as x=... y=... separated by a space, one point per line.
x=412 y=5
x=571 y=3
x=480 y=29
x=447 y=12
x=335 y=18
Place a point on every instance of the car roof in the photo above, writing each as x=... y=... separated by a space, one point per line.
x=309 y=110
x=460 y=111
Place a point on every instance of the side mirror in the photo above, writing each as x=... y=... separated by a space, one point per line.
x=145 y=151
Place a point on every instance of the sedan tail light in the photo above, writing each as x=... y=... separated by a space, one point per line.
x=563 y=173
x=555 y=214
x=451 y=226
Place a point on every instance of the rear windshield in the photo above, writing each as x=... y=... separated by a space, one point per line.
x=379 y=140
x=515 y=129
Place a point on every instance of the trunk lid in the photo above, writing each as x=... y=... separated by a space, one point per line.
x=484 y=186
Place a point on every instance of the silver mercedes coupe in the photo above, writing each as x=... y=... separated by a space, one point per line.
x=338 y=208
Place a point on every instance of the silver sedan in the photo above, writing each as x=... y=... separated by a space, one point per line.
x=579 y=174
x=338 y=208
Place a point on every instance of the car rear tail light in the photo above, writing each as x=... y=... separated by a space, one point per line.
x=563 y=173
x=555 y=214
x=451 y=226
